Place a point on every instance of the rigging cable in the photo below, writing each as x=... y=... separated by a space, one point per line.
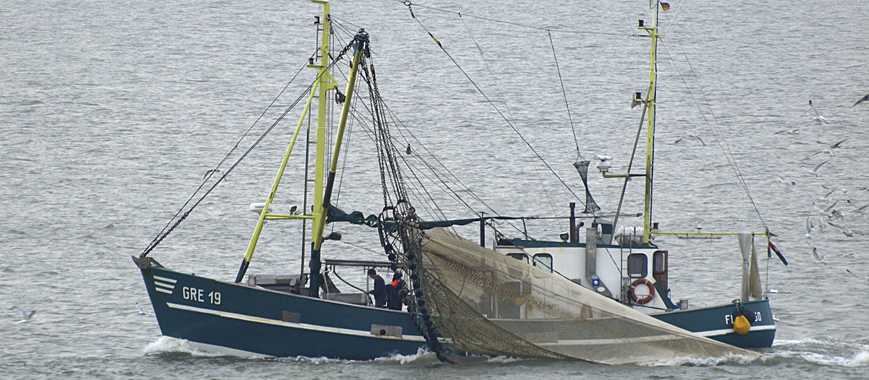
x=725 y=148
x=480 y=90
x=564 y=93
x=210 y=172
x=409 y=4
x=165 y=232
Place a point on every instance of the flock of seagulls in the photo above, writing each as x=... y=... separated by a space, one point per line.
x=832 y=210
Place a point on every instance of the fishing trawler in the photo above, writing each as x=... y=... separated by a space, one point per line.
x=560 y=300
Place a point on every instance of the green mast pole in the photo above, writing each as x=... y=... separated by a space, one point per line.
x=650 y=127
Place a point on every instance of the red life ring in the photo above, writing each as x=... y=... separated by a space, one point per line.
x=646 y=299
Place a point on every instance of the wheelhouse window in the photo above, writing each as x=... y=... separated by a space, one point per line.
x=659 y=262
x=638 y=265
x=519 y=256
x=543 y=261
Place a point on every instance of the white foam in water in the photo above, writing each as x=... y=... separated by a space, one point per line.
x=502 y=359
x=166 y=344
x=823 y=352
x=704 y=362
x=405 y=359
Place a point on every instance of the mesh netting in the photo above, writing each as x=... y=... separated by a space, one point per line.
x=484 y=302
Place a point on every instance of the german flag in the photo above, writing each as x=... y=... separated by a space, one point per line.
x=665 y=6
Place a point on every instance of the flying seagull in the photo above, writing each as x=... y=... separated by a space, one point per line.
x=863 y=99
x=810 y=227
x=845 y=231
x=141 y=311
x=786 y=182
x=795 y=131
x=25 y=314
x=211 y=172
x=815 y=170
x=858 y=209
x=815 y=115
x=837 y=144
x=690 y=136
x=821 y=259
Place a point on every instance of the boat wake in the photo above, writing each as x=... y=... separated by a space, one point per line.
x=168 y=345
x=420 y=355
x=824 y=353
x=705 y=361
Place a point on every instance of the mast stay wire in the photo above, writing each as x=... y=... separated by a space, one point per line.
x=480 y=90
x=409 y=4
x=210 y=172
x=439 y=177
x=564 y=93
x=719 y=137
x=178 y=219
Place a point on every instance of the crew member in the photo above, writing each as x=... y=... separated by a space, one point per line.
x=379 y=291
x=395 y=293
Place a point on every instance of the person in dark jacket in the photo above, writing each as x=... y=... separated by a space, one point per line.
x=395 y=293
x=379 y=291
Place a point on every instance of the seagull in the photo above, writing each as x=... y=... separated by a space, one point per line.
x=858 y=209
x=821 y=259
x=141 y=311
x=866 y=277
x=845 y=231
x=815 y=115
x=835 y=145
x=825 y=151
x=690 y=136
x=810 y=226
x=827 y=196
x=786 y=182
x=815 y=170
x=211 y=172
x=863 y=99
x=790 y=132
x=25 y=314
x=828 y=212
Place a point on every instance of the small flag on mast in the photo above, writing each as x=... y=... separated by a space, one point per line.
x=665 y=6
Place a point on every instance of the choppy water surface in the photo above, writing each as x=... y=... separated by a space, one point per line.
x=111 y=112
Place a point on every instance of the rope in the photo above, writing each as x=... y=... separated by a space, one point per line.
x=720 y=141
x=165 y=232
x=211 y=172
x=480 y=90
x=409 y=4
x=564 y=93
x=335 y=272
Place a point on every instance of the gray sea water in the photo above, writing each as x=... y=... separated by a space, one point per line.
x=112 y=111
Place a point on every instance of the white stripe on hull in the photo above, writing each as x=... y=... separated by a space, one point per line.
x=303 y=326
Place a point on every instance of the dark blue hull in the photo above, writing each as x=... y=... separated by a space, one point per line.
x=716 y=323
x=244 y=320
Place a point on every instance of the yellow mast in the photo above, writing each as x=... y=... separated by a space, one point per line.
x=650 y=128
x=325 y=82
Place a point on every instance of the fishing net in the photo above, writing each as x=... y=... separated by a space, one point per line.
x=465 y=298
x=480 y=301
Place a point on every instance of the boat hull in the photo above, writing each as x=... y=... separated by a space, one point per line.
x=246 y=320
x=716 y=323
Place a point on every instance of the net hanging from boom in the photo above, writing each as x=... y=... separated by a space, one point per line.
x=465 y=298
